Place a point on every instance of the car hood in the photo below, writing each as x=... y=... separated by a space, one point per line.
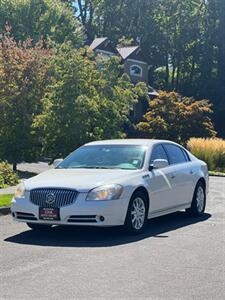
x=81 y=180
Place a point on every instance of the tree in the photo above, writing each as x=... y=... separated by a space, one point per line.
x=83 y=102
x=23 y=75
x=177 y=118
x=89 y=14
x=180 y=29
x=183 y=42
x=212 y=67
x=46 y=19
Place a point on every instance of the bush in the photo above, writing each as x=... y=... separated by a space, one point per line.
x=177 y=118
x=7 y=176
x=212 y=151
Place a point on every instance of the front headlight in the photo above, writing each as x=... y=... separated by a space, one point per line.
x=105 y=192
x=20 y=191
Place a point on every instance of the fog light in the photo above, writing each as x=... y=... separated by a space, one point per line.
x=101 y=218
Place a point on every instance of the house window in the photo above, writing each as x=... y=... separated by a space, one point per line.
x=135 y=70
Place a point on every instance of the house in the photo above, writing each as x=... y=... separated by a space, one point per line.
x=103 y=46
x=135 y=65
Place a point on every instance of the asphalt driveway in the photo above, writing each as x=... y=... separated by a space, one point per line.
x=177 y=258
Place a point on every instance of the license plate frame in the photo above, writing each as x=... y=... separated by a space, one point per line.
x=49 y=214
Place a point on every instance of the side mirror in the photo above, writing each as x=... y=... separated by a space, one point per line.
x=158 y=164
x=56 y=162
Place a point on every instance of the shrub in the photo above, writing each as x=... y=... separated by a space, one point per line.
x=7 y=176
x=177 y=118
x=211 y=150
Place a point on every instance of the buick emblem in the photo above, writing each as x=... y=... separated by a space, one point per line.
x=50 y=198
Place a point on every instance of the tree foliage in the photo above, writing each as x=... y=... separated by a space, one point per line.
x=46 y=19
x=60 y=98
x=178 y=118
x=7 y=176
x=184 y=42
x=23 y=75
x=83 y=103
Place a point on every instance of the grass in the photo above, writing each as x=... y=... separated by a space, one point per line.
x=5 y=200
x=212 y=151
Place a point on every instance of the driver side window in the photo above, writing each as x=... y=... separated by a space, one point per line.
x=158 y=153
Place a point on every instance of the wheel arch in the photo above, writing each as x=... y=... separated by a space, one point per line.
x=202 y=180
x=193 y=210
x=145 y=192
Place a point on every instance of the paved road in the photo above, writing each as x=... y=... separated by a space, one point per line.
x=28 y=169
x=34 y=167
x=177 y=258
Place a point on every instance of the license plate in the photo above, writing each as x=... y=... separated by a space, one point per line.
x=51 y=214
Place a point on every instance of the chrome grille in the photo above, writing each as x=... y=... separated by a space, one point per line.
x=52 y=197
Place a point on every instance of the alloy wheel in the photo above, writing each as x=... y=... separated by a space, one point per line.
x=200 y=199
x=138 y=213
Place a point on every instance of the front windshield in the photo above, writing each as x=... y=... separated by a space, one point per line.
x=130 y=157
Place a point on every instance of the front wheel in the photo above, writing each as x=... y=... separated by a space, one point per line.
x=199 y=201
x=136 y=218
x=39 y=227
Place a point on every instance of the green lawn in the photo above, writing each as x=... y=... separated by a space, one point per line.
x=5 y=200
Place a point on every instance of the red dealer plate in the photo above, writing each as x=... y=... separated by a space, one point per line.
x=51 y=214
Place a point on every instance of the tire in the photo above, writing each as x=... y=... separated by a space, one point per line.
x=198 y=202
x=39 y=227
x=138 y=207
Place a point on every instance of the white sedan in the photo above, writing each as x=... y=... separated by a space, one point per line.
x=114 y=182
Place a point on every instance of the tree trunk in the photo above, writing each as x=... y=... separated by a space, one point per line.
x=173 y=77
x=167 y=71
x=177 y=77
x=191 y=76
x=221 y=50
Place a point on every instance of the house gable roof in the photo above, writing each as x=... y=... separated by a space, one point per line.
x=133 y=52
x=103 y=44
x=125 y=52
x=97 y=42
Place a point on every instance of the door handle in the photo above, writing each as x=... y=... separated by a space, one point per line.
x=191 y=172
x=172 y=176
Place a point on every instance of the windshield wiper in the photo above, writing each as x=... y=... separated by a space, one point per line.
x=88 y=167
x=97 y=167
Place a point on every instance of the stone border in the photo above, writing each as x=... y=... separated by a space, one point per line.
x=5 y=210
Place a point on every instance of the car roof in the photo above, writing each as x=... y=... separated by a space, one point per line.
x=141 y=142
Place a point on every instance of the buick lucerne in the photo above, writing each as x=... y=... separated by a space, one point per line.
x=114 y=182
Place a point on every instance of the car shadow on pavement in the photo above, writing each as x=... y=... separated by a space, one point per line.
x=74 y=236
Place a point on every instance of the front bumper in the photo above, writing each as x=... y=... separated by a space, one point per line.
x=81 y=212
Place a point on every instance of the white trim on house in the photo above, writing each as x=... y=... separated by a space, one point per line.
x=136 y=66
x=137 y=61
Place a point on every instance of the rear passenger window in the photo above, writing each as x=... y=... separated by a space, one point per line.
x=186 y=155
x=176 y=154
x=158 y=153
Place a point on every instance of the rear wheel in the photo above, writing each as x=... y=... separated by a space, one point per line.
x=199 y=201
x=136 y=218
x=39 y=227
